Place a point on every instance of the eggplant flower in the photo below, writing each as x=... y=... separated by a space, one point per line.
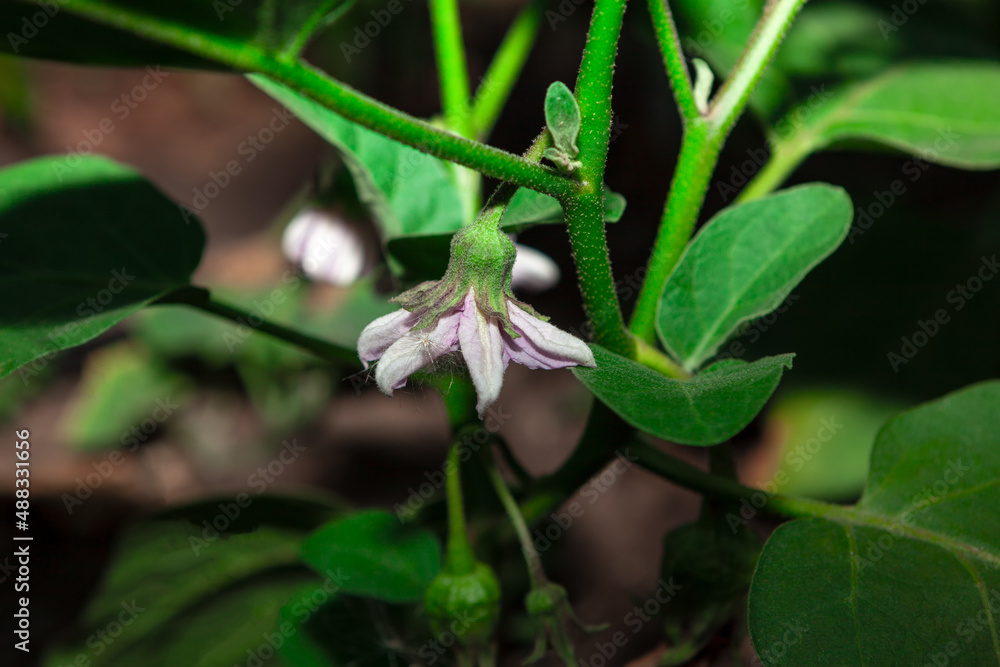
x=471 y=310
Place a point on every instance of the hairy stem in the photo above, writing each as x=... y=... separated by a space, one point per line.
x=703 y=139
x=673 y=58
x=332 y=94
x=585 y=212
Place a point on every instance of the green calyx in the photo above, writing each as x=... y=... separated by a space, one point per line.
x=482 y=258
x=467 y=604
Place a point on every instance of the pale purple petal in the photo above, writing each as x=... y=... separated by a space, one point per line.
x=482 y=347
x=383 y=332
x=542 y=345
x=416 y=350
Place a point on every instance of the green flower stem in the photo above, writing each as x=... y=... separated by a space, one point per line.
x=334 y=95
x=452 y=70
x=585 y=212
x=460 y=559
x=690 y=477
x=505 y=69
x=703 y=139
x=200 y=298
x=531 y=557
x=673 y=59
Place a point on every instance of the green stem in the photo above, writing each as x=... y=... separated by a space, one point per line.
x=321 y=16
x=585 y=212
x=673 y=59
x=459 y=559
x=690 y=477
x=703 y=139
x=531 y=557
x=200 y=298
x=692 y=175
x=452 y=70
x=334 y=95
x=505 y=69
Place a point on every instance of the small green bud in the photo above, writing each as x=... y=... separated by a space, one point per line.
x=562 y=117
x=467 y=605
x=545 y=601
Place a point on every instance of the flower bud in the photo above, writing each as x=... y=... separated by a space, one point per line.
x=327 y=248
x=467 y=605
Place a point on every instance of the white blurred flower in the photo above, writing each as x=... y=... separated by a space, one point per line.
x=327 y=248
x=534 y=271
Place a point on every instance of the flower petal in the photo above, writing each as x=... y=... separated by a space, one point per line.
x=542 y=345
x=482 y=347
x=414 y=351
x=533 y=271
x=383 y=332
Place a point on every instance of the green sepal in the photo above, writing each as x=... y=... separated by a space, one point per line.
x=471 y=598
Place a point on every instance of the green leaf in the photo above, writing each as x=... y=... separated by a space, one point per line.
x=947 y=113
x=379 y=556
x=562 y=117
x=121 y=388
x=713 y=564
x=48 y=29
x=200 y=585
x=87 y=243
x=709 y=408
x=911 y=574
x=408 y=192
x=743 y=264
x=425 y=256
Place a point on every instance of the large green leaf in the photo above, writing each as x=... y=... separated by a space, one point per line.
x=709 y=408
x=200 y=585
x=947 y=113
x=378 y=556
x=87 y=243
x=911 y=574
x=51 y=30
x=743 y=264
